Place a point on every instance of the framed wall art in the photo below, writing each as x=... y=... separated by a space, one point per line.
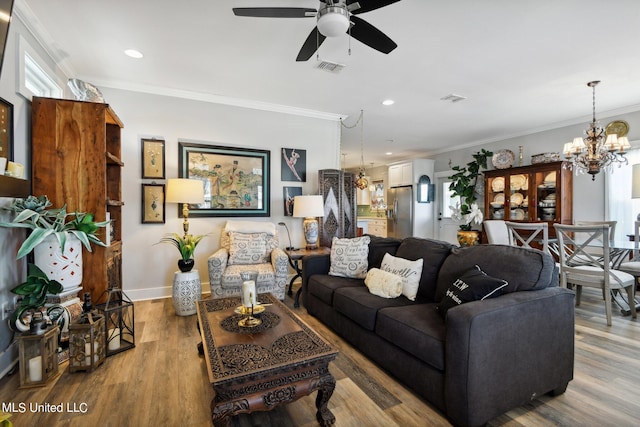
x=153 y=204
x=6 y=129
x=288 y=194
x=294 y=165
x=152 y=158
x=236 y=180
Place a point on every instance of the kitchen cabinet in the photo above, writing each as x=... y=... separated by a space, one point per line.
x=401 y=175
x=540 y=192
x=76 y=151
x=377 y=227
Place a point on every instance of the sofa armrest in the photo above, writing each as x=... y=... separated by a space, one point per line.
x=313 y=264
x=502 y=352
x=216 y=265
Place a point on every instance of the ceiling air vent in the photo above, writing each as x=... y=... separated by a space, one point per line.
x=331 y=67
x=453 y=98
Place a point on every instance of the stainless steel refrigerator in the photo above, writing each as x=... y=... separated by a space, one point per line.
x=400 y=212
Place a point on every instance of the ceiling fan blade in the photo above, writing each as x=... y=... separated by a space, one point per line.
x=371 y=36
x=369 y=5
x=275 y=12
x=310 y=45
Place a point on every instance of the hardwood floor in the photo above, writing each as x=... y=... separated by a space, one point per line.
x=163 y=381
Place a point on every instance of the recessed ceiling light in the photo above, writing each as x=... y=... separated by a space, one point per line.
x=133 y=53
x=388 y=102
x=388 y=153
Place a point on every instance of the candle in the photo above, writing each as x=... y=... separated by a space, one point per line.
x=35 y=369
x=248 y=293
x=114 y=339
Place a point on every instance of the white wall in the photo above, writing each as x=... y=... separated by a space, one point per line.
x=148 y=269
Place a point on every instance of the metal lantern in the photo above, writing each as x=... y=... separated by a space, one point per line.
x=86 y=342
x=37 y=357
x=119 y=321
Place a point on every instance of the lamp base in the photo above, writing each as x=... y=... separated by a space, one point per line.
x=310 y=228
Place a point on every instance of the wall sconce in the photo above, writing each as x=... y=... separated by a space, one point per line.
x=426 y=190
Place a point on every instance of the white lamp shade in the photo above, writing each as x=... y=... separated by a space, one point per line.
x=578 y=144
x=623 y=142
x=333 y=24
x=612 y=142
x=183 y=190
x=308 y=206
x=635 y=183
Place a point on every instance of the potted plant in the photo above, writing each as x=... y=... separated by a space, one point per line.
x=186 y=245
x=34 y=292
x=55 y=235
x=463 y=184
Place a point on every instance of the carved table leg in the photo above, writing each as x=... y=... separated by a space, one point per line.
x=325 y=390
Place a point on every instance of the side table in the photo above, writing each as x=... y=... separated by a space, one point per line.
x=187 y=291
x=295 y=261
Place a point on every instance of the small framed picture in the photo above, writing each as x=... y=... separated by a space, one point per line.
x=152 y=159
x=153 y=204
x=6 y=130
x=289 y=193
x=294 y=165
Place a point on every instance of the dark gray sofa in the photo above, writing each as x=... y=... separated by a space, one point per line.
x=484 y=358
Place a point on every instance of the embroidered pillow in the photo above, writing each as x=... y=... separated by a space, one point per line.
x=349 y=257
x=409 y=271
x=473 y=285
x=247 y=248
x=383 y=284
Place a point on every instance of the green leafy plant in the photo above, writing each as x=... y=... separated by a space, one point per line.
x=34 y=292
x=32 y=213
x=186 y=244
x=463 y=184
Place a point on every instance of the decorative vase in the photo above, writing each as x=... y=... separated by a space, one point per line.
x=186 y=265
x=468 y=237
x=64 y=267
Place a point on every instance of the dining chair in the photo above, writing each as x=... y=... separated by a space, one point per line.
x=496 y=230
x=525 y=233
x=573 y=241
x=633 y=266
x=594 y=250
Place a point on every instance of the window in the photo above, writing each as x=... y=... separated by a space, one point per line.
x=34 y=78
x=619 y=204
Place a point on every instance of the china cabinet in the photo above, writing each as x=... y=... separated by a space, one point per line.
x=540 y=192
x=77 y=162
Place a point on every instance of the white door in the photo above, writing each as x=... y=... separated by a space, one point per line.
x=445 y=228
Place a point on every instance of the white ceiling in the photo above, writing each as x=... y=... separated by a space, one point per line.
x=523 y=65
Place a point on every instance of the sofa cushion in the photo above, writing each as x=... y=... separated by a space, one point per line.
x=359 y=305
x=417 y=329
x=408 y=271
x=379 y=246
x=473 y=285
x=248 y=248
x=349 y=257
x=322 y=286
x=383 y=284
x=433 y=253
x=535 y=268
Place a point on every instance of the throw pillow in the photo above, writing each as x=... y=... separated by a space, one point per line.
x=408 y=271
x=473 y=285
x=247 y=248
x=349 y=257
x=383 y=283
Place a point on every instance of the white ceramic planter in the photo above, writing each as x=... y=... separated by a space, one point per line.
x=65 y=267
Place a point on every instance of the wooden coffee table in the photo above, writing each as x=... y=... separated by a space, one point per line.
x=260 y=368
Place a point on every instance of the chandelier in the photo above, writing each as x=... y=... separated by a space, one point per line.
x=597 y=151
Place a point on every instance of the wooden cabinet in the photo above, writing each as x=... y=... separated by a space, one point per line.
x=377 y=227
x=540 y=192
x=76 y=160
x=339 y=197
x=400 y=175
x=13 y=187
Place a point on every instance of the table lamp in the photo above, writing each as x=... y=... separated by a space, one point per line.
x=185 y=191
x=309 y=208
x=635 y=184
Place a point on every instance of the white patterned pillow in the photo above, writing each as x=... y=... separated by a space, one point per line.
x=248 y=248
x=349 y=257
x=409 y=271
x=383 y=283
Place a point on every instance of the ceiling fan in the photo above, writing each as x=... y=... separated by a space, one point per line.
x=334 y=18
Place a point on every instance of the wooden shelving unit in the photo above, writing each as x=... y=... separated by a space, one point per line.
x=14 y=187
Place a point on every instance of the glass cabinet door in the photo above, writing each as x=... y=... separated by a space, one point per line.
x=546 y=196
x=495 y=187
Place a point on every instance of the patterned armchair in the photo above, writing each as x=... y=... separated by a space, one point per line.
x=247 y=246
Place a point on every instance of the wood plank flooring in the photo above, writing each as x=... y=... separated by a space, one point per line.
x=163 y=381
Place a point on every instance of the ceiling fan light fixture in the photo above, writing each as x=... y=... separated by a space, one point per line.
x=333 y=21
